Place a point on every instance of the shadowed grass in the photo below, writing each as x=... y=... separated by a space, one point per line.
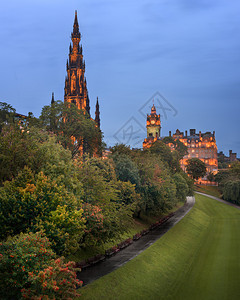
x=199 y=258
x=210 y=190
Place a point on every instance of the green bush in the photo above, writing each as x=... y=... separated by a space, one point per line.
x=64 y=227
x=29 y=198
x=181 y=186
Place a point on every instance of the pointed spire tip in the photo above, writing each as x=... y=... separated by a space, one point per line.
x=52 y=101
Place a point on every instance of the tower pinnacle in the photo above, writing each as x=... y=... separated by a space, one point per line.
x=76 y=33
x=97 y=114
x=52 y=101
x=153 y=109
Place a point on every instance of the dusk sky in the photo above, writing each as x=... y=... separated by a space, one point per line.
x=183 y=53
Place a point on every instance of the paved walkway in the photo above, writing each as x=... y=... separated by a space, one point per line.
x=220 y=200
x=92 y=273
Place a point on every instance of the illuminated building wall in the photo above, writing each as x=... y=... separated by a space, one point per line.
x=200 y=145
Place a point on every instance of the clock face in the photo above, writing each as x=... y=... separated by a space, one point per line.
x=152 y=122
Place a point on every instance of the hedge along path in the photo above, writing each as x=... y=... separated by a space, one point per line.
x=199 y=258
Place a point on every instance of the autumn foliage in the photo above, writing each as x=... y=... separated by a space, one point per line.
x=29 y=268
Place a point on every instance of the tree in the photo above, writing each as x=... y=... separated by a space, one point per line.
x=29 y=270
x=17 y=149
x=29 y=199
x=107 y=194
x=178 y=145
x=20 y=255
x=7 y=113
x=210 y=177
x=73 y=127
x=164 y=152
x=121 y=149
x=181 y=186
x=126 y=169
x=229 y=182
x=231 y=191
x=36 y=149
x=196 y=168
x=157 y=188
x=64 y=228
x=235 y=169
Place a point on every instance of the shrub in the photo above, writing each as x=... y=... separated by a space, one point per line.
x=27 y=199
x=57 y=281
x=181 y=186
x=231 y=191
x=94 y=231
x=28 y=268
x=19 y=256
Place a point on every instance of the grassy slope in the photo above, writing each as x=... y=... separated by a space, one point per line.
x=197 y=259
x=210 y=190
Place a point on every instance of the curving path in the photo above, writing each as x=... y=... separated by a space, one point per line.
x=218 y=199
x=90 y=274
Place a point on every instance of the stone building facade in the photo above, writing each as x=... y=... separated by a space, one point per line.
x=200 y=145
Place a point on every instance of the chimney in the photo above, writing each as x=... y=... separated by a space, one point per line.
x=230 y=152
x=214 y=133
x=170 y=133
x=192 y=131
x=200 y=134
x=185 y=132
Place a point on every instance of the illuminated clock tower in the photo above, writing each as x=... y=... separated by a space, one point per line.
x=153 y=128
x=153 y=124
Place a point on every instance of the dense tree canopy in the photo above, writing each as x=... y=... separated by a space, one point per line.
x=196 y=168
x=229 y=182
x=178 y=145
x=73 y=127
x=126 y=169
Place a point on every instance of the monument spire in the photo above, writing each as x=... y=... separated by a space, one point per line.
x=97 y=114
x=75 y=89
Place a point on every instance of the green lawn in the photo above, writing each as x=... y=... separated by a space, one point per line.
x=197 y=259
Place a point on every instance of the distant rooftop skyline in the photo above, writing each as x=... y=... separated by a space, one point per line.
x=183 y=54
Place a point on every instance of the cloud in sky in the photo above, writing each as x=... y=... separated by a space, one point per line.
x=187 y=50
